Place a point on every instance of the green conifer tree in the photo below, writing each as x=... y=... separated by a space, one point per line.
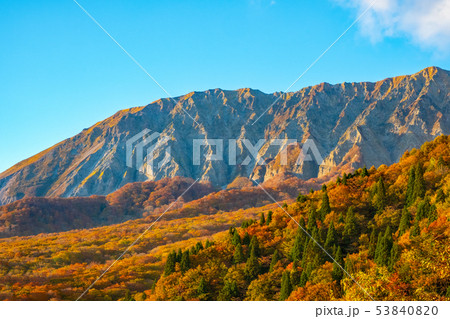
x=269 y=217
x=325 y=207
x=254 y=246
x=380 y=195
x=333 y=250
x=171 y=261
x=128 y=296
x=236 y=239
x=341 y=218
x=252 y=267
x=262 y=220
x=302 y=224
x=405 y=221
x=432 y=215
x=378 y=248
x=322 y=235
x=337 y=272
x=415 y=231
x=238 y=256
x=364 y=172
x=314 y=252
x=307 y=270
x=185 y=263
x=344 y=179
x=307 y=252
x=388 y=239
x=202 y=289
x=247 y=223
x=312 y=217
x=410 y=188
x=275 y=259
x=419 y=183
x=395 y=254
x=246 y=239
x=301 y=198
x=179 y=255
x=349 y=265
x=351 y=226
x=295 y=274
x=383 y=252
x=199 y=246
x=229 y=291
x=372 y=243
x=303 y=279
x=299 y=242
x=286 y=287
x=331 y=237
x=154 y=285
x=423 y=209
x=440 y=196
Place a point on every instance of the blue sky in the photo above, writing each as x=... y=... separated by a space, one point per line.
x=61 y=73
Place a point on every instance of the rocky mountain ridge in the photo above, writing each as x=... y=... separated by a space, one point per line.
x=351 y=124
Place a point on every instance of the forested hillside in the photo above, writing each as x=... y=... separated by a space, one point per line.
x=35 y=215
x=388 y=227
x=180 y=196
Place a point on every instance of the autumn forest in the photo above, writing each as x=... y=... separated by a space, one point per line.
x=373 y=233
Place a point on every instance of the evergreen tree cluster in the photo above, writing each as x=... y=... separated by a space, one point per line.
x=380 y=195
x=183 y=258
x=362 y=172
x=416 y=184
x=325 y=207
x=385 y=248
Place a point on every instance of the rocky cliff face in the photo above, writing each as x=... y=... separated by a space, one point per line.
x=352 y=124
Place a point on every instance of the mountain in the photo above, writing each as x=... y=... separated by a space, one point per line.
x=38 y=215
x=352 y=124
x=388 y=227
x=35 y=215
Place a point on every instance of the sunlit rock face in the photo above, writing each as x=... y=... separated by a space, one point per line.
x=351 y=124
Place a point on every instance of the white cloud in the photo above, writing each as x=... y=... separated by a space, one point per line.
x=425 y=22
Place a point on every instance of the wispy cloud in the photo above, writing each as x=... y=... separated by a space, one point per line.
x=425 y=22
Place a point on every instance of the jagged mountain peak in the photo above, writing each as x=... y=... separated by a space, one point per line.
x=352 y=124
